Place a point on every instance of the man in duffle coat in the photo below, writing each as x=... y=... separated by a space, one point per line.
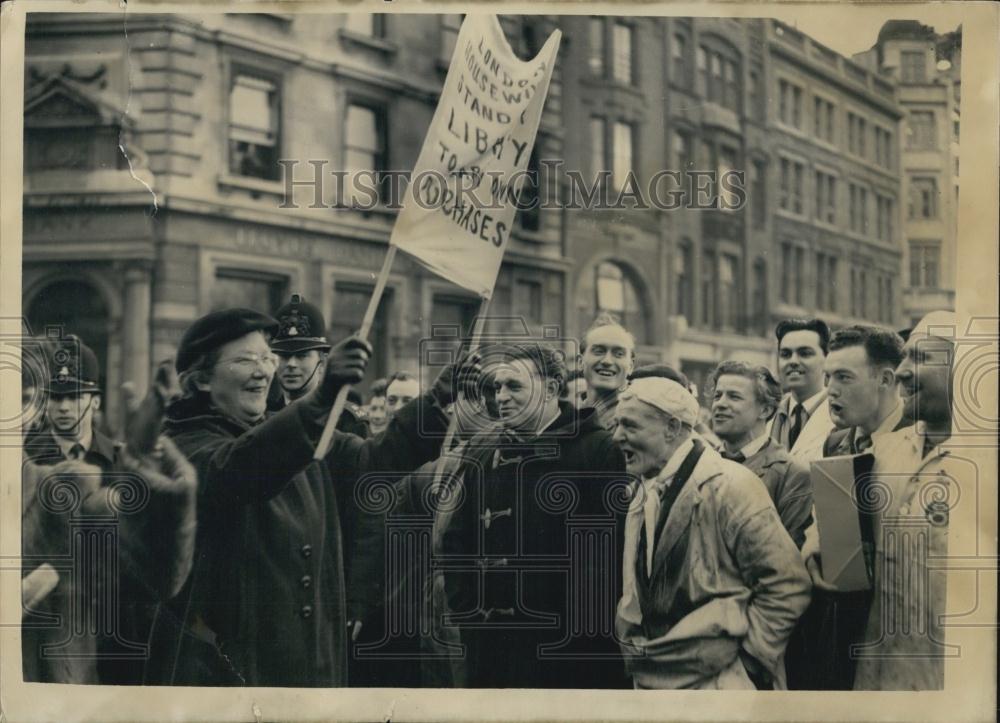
x=516 y=582
x=265 y=604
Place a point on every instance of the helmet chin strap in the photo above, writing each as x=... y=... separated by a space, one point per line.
x=305 y=384
x=76 y=424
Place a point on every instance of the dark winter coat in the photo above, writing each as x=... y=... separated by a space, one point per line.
x=265 y=605
x=541 y=528
x=116 y=557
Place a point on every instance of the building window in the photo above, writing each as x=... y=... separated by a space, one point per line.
x=821 y=280
x=800 y=272
x=530 y=216
x=683 y=153
x=598 y=153
x=528 y=302
x=758 y=194
x=254 y=127
x=831 y=275
x=716 y=88
x=596 y=58
x=858 y=209
x=727 y=162
x=885 y=208
x=731 y=71
x=614 y=292
x=370 y=25
x=729 y=296
x=923 y=198
x=925 y=262
x=921 y=131
x=623 y=59
x=350 y=301
x=623 y=153
x=702 y=66
x=913 y=66
x=863 y=294
x=890 y=302
x=757 y=99
x=679 y=60
x=857 y=128
x=248 y=289
x=684 y=270
x=708 y=289
x=883 y=147
x=789 y=104
x=826 y=197
x=450 y=24
x=792 y=177
x=786 y=272
x=759 y=301
x=823 y=119
x=365 y=143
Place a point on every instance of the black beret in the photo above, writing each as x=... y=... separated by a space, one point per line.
x=217 y=328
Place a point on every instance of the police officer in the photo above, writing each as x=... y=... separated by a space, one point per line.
x=301 y=347
x=74 y=396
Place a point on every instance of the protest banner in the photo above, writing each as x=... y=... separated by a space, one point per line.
x=459 y=207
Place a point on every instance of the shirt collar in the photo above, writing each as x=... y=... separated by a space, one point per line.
x=66 y=444
x=810 y=405
x=673 y=464
x=754 y=446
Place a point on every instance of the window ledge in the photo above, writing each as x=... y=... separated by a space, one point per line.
x=366 y=41
x=791 y=215
x=249 y=183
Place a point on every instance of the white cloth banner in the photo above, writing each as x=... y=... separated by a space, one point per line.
x=459 y=206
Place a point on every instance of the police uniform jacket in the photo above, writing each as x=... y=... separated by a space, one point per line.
x=539 y=524
x=265 y=605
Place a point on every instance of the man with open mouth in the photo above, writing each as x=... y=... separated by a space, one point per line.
x=712 y=583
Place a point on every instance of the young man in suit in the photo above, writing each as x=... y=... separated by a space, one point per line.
x=802 y=421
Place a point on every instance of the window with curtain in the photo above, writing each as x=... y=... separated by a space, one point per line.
x=624 y=139
x=624 y=61
x=254 y=126
x=365 y=142
x=595 y=58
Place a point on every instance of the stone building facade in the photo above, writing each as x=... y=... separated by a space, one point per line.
x=153 y=191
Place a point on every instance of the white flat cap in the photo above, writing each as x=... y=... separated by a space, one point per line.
x=943 y=324
x=667 y=396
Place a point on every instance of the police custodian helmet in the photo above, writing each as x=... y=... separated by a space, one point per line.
x=73 y=368
x=301 y=327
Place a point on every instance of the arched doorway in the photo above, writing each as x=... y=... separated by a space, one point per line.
x=613 y=287
x=78 y=307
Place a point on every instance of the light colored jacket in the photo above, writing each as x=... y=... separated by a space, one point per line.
x=904 y=646
x=809 y=445
x=724 y=549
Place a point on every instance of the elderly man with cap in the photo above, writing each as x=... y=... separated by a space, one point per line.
x=265 y=604
x=713 y=584
x=904 y=642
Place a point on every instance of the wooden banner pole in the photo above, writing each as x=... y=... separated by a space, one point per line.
x=323 y=447
x=449 y=438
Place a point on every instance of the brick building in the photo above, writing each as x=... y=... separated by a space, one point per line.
x=195 y=111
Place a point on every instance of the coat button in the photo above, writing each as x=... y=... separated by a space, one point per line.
x=306 y=611
x=307 y=551
x=306 y=580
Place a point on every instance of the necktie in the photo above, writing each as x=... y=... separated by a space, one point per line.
x=862 y=443
x=77 y=451
x=796 y=429
x=734 y=457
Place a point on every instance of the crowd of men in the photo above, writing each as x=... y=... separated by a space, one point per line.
x=529 y=520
